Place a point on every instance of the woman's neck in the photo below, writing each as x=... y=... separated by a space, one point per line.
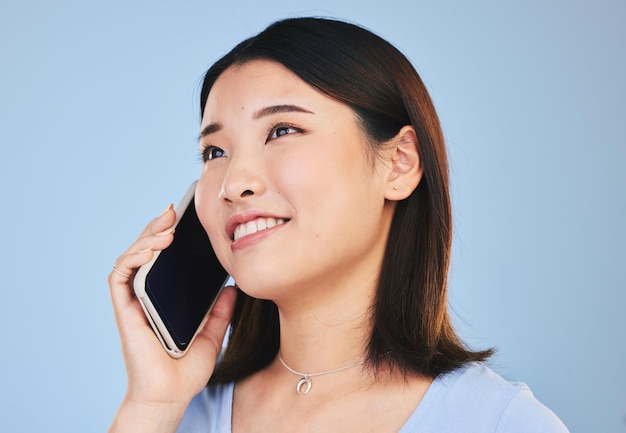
x=327 y=329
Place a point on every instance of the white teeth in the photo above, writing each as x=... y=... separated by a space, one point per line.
x=251 y=227
x=256 y=225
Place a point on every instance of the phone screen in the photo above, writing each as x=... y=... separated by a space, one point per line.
x=185 y=279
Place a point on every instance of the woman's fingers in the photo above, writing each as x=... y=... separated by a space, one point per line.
x=162 y=222
x=122 y=274
x=157 y=235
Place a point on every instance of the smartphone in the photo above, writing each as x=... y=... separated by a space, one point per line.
x=178 y=287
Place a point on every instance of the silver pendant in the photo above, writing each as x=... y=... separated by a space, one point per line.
x=301 y=382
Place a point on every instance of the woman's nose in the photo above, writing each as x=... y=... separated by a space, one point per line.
x=243 y=180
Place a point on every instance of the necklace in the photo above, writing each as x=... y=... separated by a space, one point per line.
x=306 y=377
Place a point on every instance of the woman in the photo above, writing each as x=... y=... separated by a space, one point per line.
x=324 y=192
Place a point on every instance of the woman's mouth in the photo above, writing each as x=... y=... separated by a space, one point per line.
x=256 y=225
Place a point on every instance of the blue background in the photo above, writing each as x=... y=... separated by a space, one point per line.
x=98 y=127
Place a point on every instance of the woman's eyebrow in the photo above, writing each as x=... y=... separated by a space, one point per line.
x=263 y=112
x=210 y=129
x=275 y=109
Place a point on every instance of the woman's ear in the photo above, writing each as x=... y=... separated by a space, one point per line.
x=406 y=168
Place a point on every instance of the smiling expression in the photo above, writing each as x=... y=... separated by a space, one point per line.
x=289 y=195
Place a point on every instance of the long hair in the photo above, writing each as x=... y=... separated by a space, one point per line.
x=410 y=321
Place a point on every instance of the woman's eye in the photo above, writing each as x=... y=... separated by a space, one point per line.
x=282 y=130
x=212 y=152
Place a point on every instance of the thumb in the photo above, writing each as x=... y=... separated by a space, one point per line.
x=212 y=334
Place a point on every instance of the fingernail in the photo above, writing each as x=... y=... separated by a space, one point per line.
x=168 y=208
x=166 y=232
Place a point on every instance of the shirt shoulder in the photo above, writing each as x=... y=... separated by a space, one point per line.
x=476 y=399
x=525 y=414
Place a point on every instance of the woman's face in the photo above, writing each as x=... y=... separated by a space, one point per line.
x=290 y=195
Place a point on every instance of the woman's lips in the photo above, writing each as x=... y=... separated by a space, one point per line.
x=248 y=228
x=254 y=231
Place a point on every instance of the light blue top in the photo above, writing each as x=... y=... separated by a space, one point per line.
x=472 y=399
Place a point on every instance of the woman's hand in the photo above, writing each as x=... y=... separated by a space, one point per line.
x=159 y=387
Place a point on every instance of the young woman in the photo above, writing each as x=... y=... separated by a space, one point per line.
x=324 y=192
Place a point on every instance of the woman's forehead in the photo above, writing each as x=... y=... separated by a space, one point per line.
x=259 y=87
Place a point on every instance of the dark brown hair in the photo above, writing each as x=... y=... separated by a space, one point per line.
x=410 y=314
